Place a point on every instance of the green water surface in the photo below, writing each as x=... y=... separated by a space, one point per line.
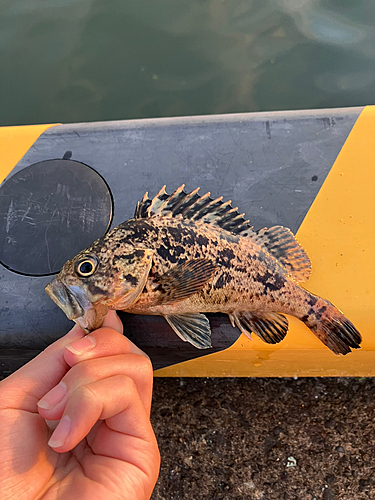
x=92 y=60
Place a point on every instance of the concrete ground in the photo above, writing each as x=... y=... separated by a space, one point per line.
x=265 y=439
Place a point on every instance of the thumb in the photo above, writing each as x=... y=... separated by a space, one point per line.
x=111 y=320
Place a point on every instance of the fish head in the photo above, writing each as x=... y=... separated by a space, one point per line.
x=100 y=278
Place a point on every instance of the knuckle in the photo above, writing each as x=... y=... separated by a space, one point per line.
x=146 y=366
x=86 y=393
x=129 y=385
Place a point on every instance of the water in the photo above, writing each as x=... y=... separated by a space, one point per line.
x=90 y=60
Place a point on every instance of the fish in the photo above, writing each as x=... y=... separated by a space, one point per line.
x=184 y=255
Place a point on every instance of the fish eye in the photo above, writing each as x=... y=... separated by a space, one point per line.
x=86 y=267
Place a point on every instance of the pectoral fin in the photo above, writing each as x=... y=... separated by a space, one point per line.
x=193 y=328
x=185 y=280
x=270 y=327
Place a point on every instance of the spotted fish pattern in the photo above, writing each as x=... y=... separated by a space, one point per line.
x=183 y=255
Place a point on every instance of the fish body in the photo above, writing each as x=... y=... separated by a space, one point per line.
x=184 y=255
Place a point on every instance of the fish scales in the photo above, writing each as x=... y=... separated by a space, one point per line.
x=184 y=255
x=244 y=271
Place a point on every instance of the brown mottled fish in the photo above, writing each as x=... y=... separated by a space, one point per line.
x=183 y=255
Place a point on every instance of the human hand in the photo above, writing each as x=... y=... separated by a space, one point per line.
x=104 y=446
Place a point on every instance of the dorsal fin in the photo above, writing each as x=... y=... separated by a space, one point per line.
x=281 y=243
x=142 y=206
x=278 y=241
x=195 y=207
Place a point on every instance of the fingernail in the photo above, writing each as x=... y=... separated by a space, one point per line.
x=61 y=433
x=53 y=397
x=82 y=345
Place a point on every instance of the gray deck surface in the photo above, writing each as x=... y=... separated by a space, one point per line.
x=271 y=165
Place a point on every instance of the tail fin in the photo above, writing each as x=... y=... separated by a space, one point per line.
x=332 y=327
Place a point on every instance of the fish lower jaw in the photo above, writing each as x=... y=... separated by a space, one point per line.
x=83 y=324
x=92 y=319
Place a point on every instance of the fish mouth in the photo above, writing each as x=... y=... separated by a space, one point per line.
x=75 y=304
x=65 y=299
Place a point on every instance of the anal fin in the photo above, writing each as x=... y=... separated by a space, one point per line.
x=270 y=327
x=193 y=328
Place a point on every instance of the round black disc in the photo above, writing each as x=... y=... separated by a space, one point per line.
x=49 y=212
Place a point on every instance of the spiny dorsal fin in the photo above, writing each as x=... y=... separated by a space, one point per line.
x=278 y=241
x=142 y=206
x=147 y=206
x=195 y=207
x=281 y=243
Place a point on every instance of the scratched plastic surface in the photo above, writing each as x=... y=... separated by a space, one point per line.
x=49 y=212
